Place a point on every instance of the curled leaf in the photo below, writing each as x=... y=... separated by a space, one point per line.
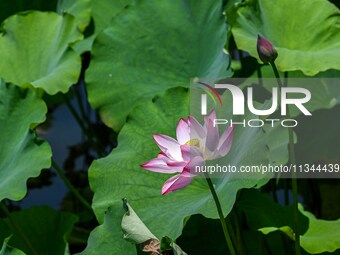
x=134 y=229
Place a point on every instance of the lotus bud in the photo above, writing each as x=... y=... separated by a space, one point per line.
x=266 y=50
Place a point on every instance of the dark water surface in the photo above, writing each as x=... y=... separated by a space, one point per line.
x=63 y=132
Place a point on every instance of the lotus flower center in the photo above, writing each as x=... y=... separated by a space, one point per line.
x=193 y=142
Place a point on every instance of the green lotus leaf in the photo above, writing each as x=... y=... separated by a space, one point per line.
x=80 y=9
x=8 y=250
x=133 y=229
x=41 y=230
x=119 y=175
x=102 y=13
x=108 y=237
x=104 y=10
x=310 y=45
x=22 y=155
x=35 y=51
x=84 y=45
x=148 y=49
x=321 y=235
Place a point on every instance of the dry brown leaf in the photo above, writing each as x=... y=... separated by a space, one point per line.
x=151 y=246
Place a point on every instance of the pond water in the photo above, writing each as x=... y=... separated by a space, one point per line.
x=63 y=131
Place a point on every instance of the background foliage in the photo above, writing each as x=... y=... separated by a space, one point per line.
x=122 y=70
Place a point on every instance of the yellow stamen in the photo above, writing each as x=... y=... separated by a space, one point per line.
x=193 y=142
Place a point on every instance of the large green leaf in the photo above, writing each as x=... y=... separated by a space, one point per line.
x=261 y=213
x=306 y=33
x=108 y=237
x=41 y=229
x=119 y=175
x=80 y=9
x=321 y=235
x=135 y=231
x=8 y=250
x=22 y=155
x=104 y=10
x=34 y=51
x=148 y=49
x=102 y=13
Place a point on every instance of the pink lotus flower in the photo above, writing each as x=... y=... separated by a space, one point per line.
x=194 y=145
